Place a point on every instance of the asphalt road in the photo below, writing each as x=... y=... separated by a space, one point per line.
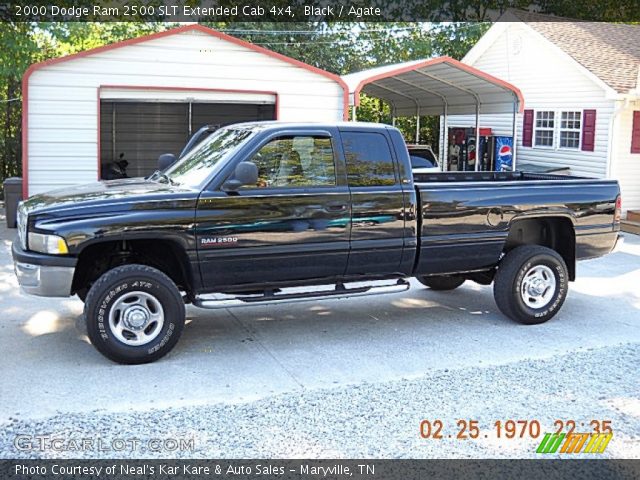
x=339 y=378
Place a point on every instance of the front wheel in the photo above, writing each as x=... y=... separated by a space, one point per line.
x=531 y=284
x=134 y=314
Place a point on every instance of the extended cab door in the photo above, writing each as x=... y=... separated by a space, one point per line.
x=377 y=203
x=293 y=225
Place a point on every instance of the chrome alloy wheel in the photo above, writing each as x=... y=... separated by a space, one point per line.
x=136 y=318
x=538 y=287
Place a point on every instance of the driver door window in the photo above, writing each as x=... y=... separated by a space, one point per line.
x=293 y=224
x=295 y=161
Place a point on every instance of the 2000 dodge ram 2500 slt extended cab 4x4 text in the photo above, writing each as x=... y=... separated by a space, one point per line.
x=256 y=211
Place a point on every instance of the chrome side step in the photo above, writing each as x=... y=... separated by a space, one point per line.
x=301 y=294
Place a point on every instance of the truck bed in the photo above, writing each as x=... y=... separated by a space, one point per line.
x=467 y=217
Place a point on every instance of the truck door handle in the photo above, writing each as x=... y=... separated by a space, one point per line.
x=336 y=207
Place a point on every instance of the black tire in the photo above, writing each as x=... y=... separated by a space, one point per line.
x=442 y=282
x=508 y=284
x=153 y=290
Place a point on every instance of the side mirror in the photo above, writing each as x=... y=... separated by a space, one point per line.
x=166 y=160
x=246 y=173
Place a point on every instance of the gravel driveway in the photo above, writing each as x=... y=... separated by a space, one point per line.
x=338 y=378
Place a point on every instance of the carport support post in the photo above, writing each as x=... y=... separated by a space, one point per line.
x=113 y=133
x=418 y=125
x=514 y=139
x=477 y=166
x=444 y=164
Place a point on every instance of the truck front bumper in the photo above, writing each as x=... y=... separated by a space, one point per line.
x=43 y=275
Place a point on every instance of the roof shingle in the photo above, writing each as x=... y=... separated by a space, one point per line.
x=611 y=51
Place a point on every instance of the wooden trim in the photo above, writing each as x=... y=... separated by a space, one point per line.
x=527 y=128
x=635 y=132
x=588 y=133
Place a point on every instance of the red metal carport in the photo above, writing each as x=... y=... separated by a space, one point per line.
x=439 y=86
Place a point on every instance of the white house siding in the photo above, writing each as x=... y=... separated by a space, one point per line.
x=63 y=97
x=548 y=81
x=626 y=165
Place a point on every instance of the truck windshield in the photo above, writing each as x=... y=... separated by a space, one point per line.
x=196 y=166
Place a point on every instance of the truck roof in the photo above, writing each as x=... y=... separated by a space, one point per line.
x=278 y=125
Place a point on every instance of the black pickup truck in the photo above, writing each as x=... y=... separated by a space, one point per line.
x=269 y=212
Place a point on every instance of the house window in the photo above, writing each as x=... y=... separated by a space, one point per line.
x=544 y=128
x=570 y=126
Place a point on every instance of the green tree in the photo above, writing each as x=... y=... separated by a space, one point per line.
x=23 y=44
x=456 y=39
x=337 y=47
x=19 y=49
x=447 y=39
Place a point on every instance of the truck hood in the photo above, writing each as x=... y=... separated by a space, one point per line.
x=110 y=194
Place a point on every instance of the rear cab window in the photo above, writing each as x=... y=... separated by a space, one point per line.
x=369 y=160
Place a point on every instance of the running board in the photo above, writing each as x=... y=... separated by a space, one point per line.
x=300 y=294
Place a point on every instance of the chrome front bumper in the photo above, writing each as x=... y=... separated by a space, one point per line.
x=43 y=275
x=44 y=280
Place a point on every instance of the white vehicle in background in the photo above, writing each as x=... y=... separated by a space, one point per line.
x=423 y=159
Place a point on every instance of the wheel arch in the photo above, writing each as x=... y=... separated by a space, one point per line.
x=556 y=232
x=168 y=256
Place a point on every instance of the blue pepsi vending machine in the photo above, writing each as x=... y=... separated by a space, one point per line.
x=503 y=154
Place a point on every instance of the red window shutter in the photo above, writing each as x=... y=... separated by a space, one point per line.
x=527 y=128
x=635 y=132
x=588 y=130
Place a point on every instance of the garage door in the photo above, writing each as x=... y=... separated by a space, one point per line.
x=141 y=131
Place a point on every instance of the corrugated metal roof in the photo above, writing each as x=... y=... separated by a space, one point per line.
x=353 y=79
x=427 y=86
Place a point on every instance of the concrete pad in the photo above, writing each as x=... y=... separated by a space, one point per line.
x=47 y=365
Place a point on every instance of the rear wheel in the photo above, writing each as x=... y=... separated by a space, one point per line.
x=531 y=284
x=134 y=314
x=442 y=282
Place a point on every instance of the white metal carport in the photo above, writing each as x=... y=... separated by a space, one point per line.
x=439 y=86
x=161 y=86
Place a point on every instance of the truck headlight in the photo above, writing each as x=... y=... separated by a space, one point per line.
x=47 y=243
x=22 y=221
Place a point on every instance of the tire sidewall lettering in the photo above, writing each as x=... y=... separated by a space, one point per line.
x=165 y=339
x=559 y=294
x=104 y=309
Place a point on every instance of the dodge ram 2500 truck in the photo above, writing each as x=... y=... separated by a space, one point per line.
x=256 y=211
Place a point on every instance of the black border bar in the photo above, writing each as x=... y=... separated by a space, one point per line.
x=309 y=10
x=551 y=469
